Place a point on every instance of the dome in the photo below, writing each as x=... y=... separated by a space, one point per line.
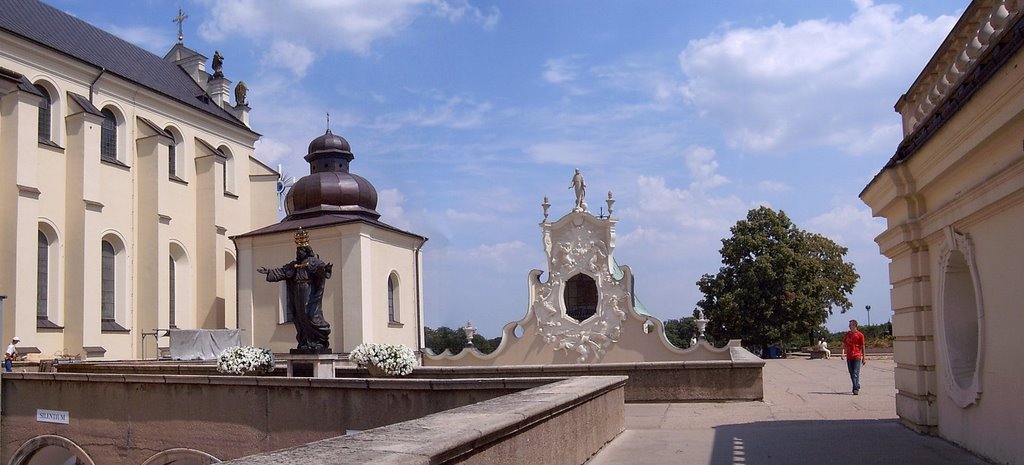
x=330 y=187
x=329 y=142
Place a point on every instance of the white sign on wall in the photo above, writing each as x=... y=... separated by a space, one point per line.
x=52 y=416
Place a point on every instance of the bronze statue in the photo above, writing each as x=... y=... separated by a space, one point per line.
x=218 y=64
x=305 y=278
x=240 y=90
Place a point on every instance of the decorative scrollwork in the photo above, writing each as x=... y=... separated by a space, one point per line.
x=579 y=243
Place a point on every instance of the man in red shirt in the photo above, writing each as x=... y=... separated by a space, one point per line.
x=853 y=352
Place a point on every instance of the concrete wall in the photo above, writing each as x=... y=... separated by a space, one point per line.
x=129 y=418
x=740 y=379
x=560 y=423
x=954 y=205
x=687 y=381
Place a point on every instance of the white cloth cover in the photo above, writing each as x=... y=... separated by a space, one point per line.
x=202 y=344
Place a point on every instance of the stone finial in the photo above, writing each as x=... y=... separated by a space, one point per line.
x=546 y=205
x=610 y=202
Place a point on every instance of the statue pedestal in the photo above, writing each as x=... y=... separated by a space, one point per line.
x=310 y=365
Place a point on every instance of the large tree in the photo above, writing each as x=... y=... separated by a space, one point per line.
x=776 y=281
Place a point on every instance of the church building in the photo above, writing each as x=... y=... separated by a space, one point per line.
x=375 y=291
x=124 y=176
x=953 y=199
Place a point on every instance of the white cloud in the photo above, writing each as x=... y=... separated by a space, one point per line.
x=773 y=186
x=559 y=70
x=848 y=224
x=571 y=153
x=812 y=83
x=351 y=25
x=452 y=112
x=703 y=168
x=270 y=150
x=290 y=56
x=457 y=10
x=390 y=205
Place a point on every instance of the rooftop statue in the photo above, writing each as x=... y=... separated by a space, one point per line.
x=218 y=64
x=305 y=278
x=240 y=92
x=580 y=186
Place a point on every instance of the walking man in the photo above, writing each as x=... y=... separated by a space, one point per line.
x=853 y=352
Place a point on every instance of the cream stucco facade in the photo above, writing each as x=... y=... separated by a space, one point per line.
x=953 y=198
x=374 y=293
x=109 y=230
x=356 y=298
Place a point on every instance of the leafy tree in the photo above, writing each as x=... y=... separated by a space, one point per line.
x=777 y=281
x=680 y=331
x=443 y=338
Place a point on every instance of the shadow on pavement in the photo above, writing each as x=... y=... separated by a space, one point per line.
x=839 y=442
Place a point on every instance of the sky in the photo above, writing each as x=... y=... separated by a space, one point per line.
x=464 y=114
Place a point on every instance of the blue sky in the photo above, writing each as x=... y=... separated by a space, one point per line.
x=465 y=114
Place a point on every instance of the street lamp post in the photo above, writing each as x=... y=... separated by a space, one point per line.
x=868 y=308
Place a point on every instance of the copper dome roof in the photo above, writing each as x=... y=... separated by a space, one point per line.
x=329 y=187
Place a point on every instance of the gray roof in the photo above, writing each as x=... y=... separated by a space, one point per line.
x=54 y=29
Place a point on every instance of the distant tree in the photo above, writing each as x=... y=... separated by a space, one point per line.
x=680 y=331
x=777 y=281
x=443 y=338
x=485 y=345
x=437 y=340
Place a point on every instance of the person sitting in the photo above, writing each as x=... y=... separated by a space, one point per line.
x=823 y=346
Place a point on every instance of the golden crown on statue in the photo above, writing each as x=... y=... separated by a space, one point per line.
x=301 y=238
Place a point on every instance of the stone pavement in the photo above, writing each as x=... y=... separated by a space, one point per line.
x=809 y=416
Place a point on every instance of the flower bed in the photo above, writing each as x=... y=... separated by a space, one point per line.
x=246 y=360
x=392 y=359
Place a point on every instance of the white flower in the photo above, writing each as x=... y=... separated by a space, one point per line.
x=393 y=359
x=246 y=360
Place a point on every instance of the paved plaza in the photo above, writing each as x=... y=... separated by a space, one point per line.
x=809 y=416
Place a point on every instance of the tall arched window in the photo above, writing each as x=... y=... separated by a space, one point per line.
x=392 y=304
x=44 y=113
x=170 y=292
x=108 y=281
x=229 y=169
x=172 y=159
x=108 y=136
x=43 y=278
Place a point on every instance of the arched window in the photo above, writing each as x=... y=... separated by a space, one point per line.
x=172 y=160
x=173 y=156
x=108 y=281
x=170 y=292
x=44 y=113
x=392 y=301
x=108 y=136
x=229 y=169
x=43 y=278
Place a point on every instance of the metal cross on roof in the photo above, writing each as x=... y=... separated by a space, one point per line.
x=180 y=19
